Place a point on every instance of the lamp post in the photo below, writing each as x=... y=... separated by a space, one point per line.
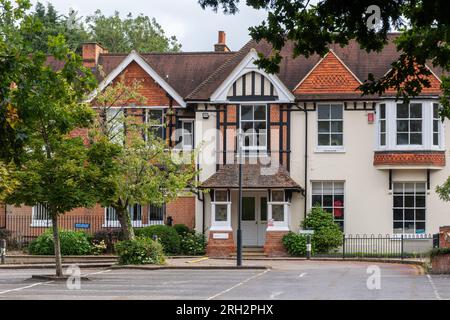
x=239 y=230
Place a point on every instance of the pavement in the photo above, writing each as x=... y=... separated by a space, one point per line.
x=282 y=280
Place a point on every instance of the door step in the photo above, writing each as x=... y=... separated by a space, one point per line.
x=251 y=252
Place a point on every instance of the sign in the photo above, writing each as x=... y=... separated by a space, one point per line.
x=306 y=232
x=220 y=235
x=82 y=225
x=370 y=117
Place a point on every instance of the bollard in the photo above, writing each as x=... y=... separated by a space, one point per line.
x=2 y=251
x=308 y=247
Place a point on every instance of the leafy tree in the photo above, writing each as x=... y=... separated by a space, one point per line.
x=139 y=33
x=41 y=108
x=424 y=38
x=327 y=235
x=144 y=172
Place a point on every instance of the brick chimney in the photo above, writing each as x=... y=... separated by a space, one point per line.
x=221 y=45
x=90 y=53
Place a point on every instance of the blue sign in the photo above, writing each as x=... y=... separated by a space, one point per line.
x=82 y=225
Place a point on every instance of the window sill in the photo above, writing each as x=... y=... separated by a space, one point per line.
x=40 y=224
x=220 y=228
x=329 y=150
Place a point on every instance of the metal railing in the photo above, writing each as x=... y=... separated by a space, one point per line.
x=20 y=230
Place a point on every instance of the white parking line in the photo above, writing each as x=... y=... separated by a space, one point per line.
x=98 y=272
x=237 y=285
x=302 y=275
x=435 y=290
x=26 y=287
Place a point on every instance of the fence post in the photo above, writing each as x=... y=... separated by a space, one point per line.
x=343 y=246
x=2 y=251
x=402 y=254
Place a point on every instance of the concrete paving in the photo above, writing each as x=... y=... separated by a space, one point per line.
x=284 y=280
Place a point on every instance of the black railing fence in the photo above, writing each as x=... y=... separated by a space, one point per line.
x=20 y=230
x=386 y=246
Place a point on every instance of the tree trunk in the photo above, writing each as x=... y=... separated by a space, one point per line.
x=57 y=246
x=125 y=222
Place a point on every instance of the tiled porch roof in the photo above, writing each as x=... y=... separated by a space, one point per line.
x=254 y=176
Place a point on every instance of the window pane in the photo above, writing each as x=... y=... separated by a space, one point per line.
x=398 y=214
x=263 y=209
x=221 y=212
x=409 y=214
x=409 y=227
x=248 y=208
x=336 y=126
x=402 y=126
x=323 y=111
x=336 y=140
x=328 y=187
x=383 y=139
x=338 y=213
x=277 y=196
x=327 y=200
x=420 y=227
x=415 y=110
x=156 y=213
x=221 y=196
x=420 y=214
x=317 y=200
x=247 y=126
x=402 y=110
x=435 y=139
x=317 y=187
x=338 y=188
x=420 y=201
x=382 y=111
x=409 y=201
x=398 y=201
x=338 y=200
x=278 y=212
x=324 y=126
x=260 y=113
x=415 y=125
x=402 y=138
x=420 y=187
x=324 y=139
x=383 y=126
x=416 y=138
x=336 y=112
x=398 y=227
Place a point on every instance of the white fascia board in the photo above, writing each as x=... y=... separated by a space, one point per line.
x=134 y=56
x=247 y=65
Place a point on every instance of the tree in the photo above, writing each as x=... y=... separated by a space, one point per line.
x=144 y=172
x=41 y=108
x=424 y=38
x=139 y=33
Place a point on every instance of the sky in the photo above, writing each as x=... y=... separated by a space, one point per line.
x=196 y=29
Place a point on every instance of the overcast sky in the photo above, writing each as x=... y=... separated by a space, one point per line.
x=195 y=28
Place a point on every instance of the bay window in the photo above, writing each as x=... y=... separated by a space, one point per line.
x=409 y=124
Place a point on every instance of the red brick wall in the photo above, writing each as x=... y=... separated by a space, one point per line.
x=220 y=248
x=444 y=237
x=274 y=245
x=441 y=264
x=182 y=210
x=414 y=158
x=2 y=215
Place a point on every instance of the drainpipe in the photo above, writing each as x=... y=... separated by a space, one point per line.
x=306 y=160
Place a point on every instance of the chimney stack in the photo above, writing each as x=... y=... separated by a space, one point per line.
x=90 y=53
x=221 y=46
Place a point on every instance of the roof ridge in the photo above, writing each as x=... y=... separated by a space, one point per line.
x=172 y=53
x=239 y=53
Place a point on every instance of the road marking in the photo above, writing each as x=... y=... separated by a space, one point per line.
x=275 y=294
x=197 y=260
x=436 y=293
x=238 y=285
x=26 y=287
x=98 y=272
x=302 y=275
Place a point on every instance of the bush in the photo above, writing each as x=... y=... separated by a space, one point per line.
x=439 y=251
x=181 y=229
x=5 y=234
x=168 y=237
x=193 y=244
x=72 y=243
x=327 y=234
x=107 y=238
x=140 y=251
x=295 y=244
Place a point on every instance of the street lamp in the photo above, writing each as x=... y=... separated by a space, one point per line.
x=239 y=230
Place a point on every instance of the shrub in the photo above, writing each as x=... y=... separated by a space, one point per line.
x=140 y=251
x=108 y=237
x=193 y=244
x=327 y=234
x=5 y=234
x=295 y=244
x=72 y=243
x=181 y=229
x=168 y=237
x=439 y=251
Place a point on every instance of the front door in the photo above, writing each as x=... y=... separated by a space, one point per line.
x=254 y=219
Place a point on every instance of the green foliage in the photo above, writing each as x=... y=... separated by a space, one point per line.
x=327 y=234
x=140 y=251
x=193 y=244
x=5 y=234
x=139 y=33
x=181 y=229
x=295 y=244
x=72 y=243
x=167 y=236
x=439 y=251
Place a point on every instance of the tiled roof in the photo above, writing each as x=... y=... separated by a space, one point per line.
x=254 y=176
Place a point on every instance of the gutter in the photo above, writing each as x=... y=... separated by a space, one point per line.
x=306 y=161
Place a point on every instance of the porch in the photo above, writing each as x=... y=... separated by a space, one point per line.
x=267 y=199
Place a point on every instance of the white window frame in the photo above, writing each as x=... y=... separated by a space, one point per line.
x=253 y=149
x=116 y=113
x=185 y=132
x=439 y=129
x=330 y=148
x=116 y=223
x=415 y=234
x=379 y=120
x=333 y=182
x=278 y=225
x=427 y=128
x=154 y=222
x=39 y=222
x=221 y=225
x=147 y=120
x=409 y=120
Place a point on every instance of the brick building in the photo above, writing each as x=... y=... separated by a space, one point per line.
x=309 y=138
